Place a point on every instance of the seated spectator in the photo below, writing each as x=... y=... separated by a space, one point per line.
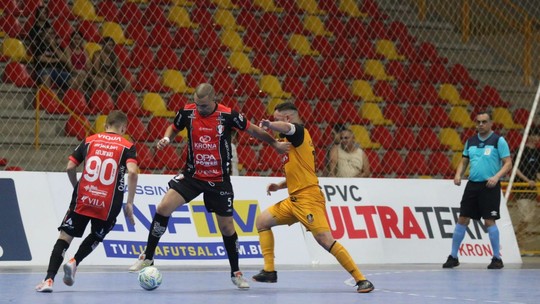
x=347 y=159
x=41 y=21
x=106 y=69
x=78 y=64
x=50 y=64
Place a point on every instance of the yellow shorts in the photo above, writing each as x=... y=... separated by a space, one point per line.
x=308 y=208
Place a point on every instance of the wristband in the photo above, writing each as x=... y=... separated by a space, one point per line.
x=168 y=140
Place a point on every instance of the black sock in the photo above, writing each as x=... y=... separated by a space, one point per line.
x=57 y=257
x=231 y=245
x=87 y=246
x=157 y=229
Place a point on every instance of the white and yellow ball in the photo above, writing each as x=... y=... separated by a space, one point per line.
x=150 y=278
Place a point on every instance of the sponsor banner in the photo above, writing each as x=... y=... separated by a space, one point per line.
x=377 y=220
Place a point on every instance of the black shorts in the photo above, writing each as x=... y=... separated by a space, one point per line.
x=74 y=224
x=480 y=201
x=217 y=196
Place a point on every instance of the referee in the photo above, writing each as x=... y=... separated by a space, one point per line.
x=489 y=156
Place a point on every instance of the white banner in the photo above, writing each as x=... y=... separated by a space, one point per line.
x=377 y=220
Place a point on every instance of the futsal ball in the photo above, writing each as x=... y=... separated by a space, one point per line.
x=149 y=278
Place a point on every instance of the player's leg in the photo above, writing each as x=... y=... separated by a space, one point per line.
x=490 y=204
x=72 y=226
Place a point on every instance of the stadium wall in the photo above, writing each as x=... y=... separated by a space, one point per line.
x=377 y=220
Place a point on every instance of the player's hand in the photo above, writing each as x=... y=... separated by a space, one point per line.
x=272 y=188
x=162 y=143
x=457 y=180
x=491 y=182
x=265 y=124
x=532 y=183
x=128 y=211
x=282 y=146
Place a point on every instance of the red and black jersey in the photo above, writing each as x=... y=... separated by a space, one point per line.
x=209 y=140
x=100 y=190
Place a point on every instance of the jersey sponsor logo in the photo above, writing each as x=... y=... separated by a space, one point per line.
x=205 y=160
x=93 y=202
x=205 y=139
x=205 y=146
x=109 y=137
x=13 y=242
x=93 y=190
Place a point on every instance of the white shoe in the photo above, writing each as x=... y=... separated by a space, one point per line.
x=239 y=280
x=69 y=272
x=141 y=263
x=45 y=286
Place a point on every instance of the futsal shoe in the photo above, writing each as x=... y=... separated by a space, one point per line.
x=238 y=279
x=451 y=262
x=141 y=263
x=364 y=286
x=495 y=263
x=45 y=286
x=265 y=277
x=69 y=272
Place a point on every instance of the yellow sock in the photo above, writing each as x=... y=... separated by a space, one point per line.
x=266 y=238
x=346 y=261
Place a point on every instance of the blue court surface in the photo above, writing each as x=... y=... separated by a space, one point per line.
x=413 y=283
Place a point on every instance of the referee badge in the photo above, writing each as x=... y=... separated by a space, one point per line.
x=310 y=218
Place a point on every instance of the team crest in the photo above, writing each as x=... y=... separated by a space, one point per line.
x=310 y=218
x=220 y=129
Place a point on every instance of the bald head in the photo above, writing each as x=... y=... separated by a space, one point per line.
x=204 y=90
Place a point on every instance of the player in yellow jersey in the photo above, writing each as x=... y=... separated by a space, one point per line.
x=305 y=204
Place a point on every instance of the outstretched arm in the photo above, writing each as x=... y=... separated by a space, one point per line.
x=281 y=147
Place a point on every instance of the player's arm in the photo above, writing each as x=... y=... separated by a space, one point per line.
x=332 y=162
x=279 y=126
x=166 y=139
x=460 y=170
x=71 y=171
x=275 y=187
x=132 y=179
x=505 y=168
x=525 y=178
x=281 y=147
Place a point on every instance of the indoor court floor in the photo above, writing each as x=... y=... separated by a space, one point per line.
x=412 y=283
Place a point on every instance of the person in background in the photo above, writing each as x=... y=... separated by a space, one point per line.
x=106 y=69
x=96 y=198
x=489 y=156
x=50 y=63
x=528 y=172
x=347 y=159
x=78 y=63
x=306 y=203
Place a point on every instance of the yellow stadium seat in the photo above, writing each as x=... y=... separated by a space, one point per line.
x=180 y=16
x=227 y=21
x=225 y=4
x=351 y=8
x=99 y=123
x=449 y=137
x=85 y=10
x=271 y=106
x=450 y=93
x=91 y=48
x=271 y=85
x=362 y=89
x=268 y=6
x=315 y=26
x=459 y=114
x=361 y=135
x=373 y=113
x=387 y=48
x=375 y=68
x=310 y=6
x=301 y=45
x=154 y=103
x=175 y=81
x=233 y=41
x=242 y=64
x=14 y=49
x=504 y=117
x=114 y=31
x=185 y=3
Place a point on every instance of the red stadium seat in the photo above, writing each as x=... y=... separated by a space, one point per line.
x=356 y=28
x=137 y=130
x=416 y=163
x=160 y=36
x=11 y=26
x=330 y=67
x=254 y=109
x=514 y=138
x=385 y=90
x=326 y=112
x=317 y=89
x=405 y=92
x=440 y=164
x=372 y=9
x=276 y=43
x=323 y=46
x=246 y=85
x=127 y=102
x=393 y=163
x=427 y=52
x=168 y=158
x=417 y=72
x=416 y=116
x=349 y=114
x=286 y=65
x=438 y=117
x=148 y=80
x=269 y=159
x=398 y=31
x=129 y=11
x=397 y=69
x=268 y=22
x=341 y=90
x=521 y=116
x=428 y=139
x=404 y=138
x=89 y=31
x=264 y=63
x=395 y=114
x=365 y=49
x=290 y=24
x=215 y=61
x=195 y=78
x=60 y=9
x=469 y=92
x=184 y=37
x=295 y=86
x=209 y=39
x=335 y=24
x=461 y=75
x=308 y=66
x=76 y=102
x=230 y=102
x=157 y=127
x=145 y=156
x=255 y=41
x=249 y=21
x=383 y=136
x=375 y=165
x=17 y=74
x=78 y=127
x=343 y=48
x=191 y=60
x=203 y=17
x=352 y=69
x=166 y=58
x=247 y=157
x=141 y=56
x=437 y=73
x=177 y=102
x=427 y=94
x=321 y=161
x=108 y=10
x=154 y=14
x=320 y=138
x=409 y=50
x=492 y=98
x=305 y=111
x=376 y=30
x=101 y=102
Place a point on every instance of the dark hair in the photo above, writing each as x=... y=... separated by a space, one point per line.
x=480 y=112
x=286 y=106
